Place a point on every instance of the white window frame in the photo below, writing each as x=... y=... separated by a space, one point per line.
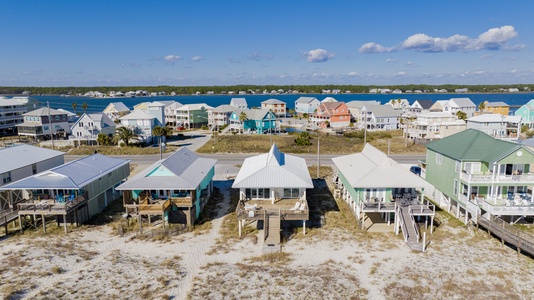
x=439 y=158
x=458 y=166
x=455 y=188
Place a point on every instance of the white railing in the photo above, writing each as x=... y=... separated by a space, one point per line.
x=529 y=177
x=498 y=210
x=404 y=229
x=414 y=224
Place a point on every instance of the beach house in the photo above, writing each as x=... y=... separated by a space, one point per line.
x=331 y=114
x=526 y=112
x=355 y=107
x=476 y=174
x=496 y=125
x=306 y=105
x=272 y=187
x=43 y=123
x=433 y=125
x=276 y=106
x=12 y=110
x=253 y=121
x=115 y=110
x=239 y=103
x=71 y=193
x=192 y=115
x=378 y=190
x=379 y=117
x=454 y=105
x=175 y=188
x=220 y=116
x=89 y=126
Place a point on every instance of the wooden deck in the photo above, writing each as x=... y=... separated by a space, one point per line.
x=49 y=207
x=258 y=209
x=148 y=207
x=7 y=217
x=507 y=233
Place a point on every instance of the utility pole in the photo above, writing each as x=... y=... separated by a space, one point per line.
x=50 y=124
x=270 y=129
x=318 y=153
x=365 y=129
x=388 y=146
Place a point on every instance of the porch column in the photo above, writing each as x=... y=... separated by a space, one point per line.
x=239 y=226
x=65 y=223
x=431 y=224
x=304 y=227
x=272 y=197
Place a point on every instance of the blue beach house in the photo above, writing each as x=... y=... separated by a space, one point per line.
x=175 y=188
x=255 y=121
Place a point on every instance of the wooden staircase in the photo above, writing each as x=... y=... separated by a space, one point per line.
x=411 y=236
x=271 y=229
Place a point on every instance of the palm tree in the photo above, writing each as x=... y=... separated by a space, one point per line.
x=85 y=106
x=461 y=115
x=125 y=134
x=242 y=119
x=482 y=106
x=74 y=106
x=103 y=139
x=159 y=132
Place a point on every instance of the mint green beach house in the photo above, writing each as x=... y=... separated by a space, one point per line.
x=257 y=121
x=175 y=188
x=527 y=114
x=475 y=174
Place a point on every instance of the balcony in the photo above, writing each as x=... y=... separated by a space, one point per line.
x=526 y=178
x=496 y=205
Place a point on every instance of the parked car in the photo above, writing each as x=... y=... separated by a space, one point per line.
x=416 y=170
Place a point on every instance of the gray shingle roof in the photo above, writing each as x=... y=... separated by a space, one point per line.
x=183 y=170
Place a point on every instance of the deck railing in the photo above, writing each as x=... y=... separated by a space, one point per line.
x=49 y=206
x=508 y=233
x=499 y=178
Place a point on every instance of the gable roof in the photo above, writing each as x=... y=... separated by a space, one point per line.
x=461 y=102
x=494 y=118
x=186 y=168
x=119 y=107
x=255 y=113
x=425 y=104
x=273 y=101
x=306 y=100
x=273 y=170
x=44 y=111
x=361 y=103
x=472 y=145
x=238 y=101
x=383 y=110
x=137 y=114
x=194 y=106
x=12 y=158
x=72 y=175
x=223 y=108
x=371 y=168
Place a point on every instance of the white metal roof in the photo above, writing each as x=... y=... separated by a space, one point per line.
x=371 y=168
x=494 y=118
x=72 y=175
x=137 y=114
x=16 y=157
x=273 y=170
x=186 y=171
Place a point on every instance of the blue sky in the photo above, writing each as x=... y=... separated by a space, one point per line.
x=93 y=43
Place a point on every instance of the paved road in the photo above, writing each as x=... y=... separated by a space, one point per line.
x=237 y=159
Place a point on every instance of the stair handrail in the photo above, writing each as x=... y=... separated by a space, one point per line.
x=414 y=224
x=402 y=224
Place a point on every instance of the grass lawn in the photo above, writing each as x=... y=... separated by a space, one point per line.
x=329 y=144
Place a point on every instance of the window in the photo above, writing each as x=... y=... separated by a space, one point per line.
x=34 y=168
x=291 y=193
x=458 y=166
x=57 y=118
x=439 y=158
x=6 y=177
x=260 y=193
x=455 y=188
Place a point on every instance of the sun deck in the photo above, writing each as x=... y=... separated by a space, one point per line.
x=50 y=206
x=288 y=209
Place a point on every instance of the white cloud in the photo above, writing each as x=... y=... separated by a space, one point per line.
x=319 y=55
x=171 y=58
x=389 y=60
x=400 y=74
x=353 y=74
x=374 y=48
x=493 y=39
x=197 y=58
x=513 y=71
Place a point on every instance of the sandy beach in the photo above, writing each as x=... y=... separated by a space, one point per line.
x=334 y=261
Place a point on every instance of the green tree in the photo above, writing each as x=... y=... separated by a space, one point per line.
x=74 y=106
x=103 y=139
x=304 y=139
x=85 y=106
x=159 y=132
x=482 y=106
x=461 y=115
x=242 y=119
x=125 y=134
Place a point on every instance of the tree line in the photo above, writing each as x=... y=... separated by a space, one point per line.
x=307 y=89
